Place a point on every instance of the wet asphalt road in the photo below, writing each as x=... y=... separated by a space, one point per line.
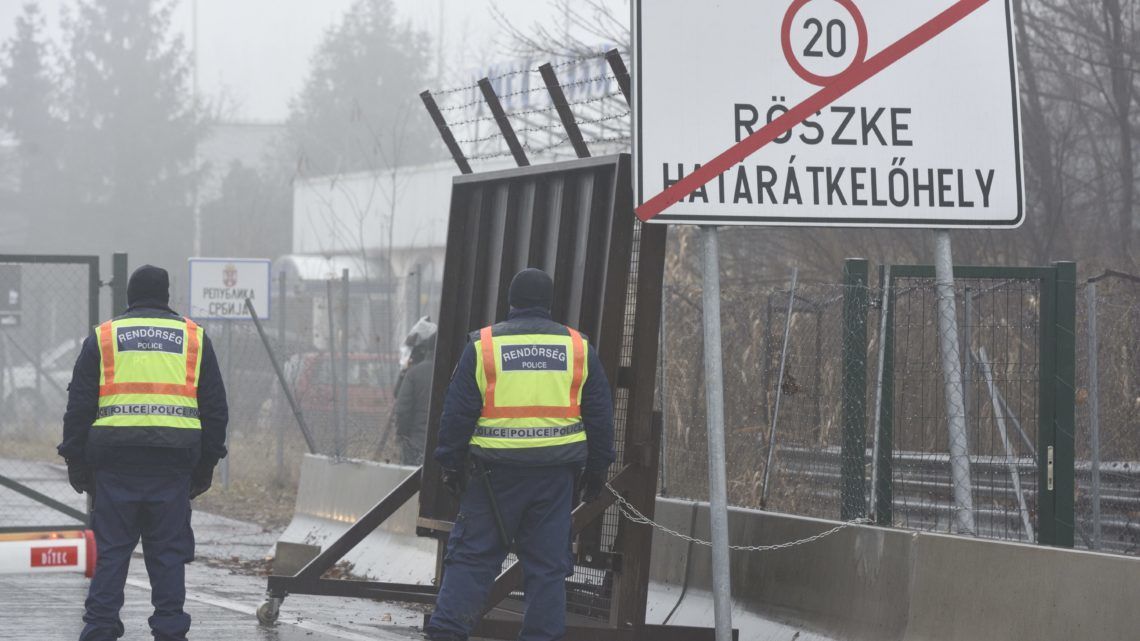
x=49 y=607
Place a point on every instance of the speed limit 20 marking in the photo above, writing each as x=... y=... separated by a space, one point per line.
x=689 y=154
x=828 y=34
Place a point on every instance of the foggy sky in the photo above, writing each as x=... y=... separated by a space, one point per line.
x=254 y=54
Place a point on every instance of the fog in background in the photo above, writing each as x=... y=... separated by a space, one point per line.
x=106 y=146
x=254 y=54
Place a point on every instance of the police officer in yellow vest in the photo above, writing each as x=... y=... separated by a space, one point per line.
x=145 y=425
x=530 y=406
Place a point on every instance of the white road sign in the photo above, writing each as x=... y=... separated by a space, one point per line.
x=219 y=287
x=881 y=113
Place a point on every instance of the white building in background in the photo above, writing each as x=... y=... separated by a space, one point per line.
x=389 y=230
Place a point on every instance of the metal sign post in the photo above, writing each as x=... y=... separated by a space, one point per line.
x=714 y=397
x=952 y=383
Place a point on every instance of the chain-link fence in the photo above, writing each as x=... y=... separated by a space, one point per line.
x=789 y=399
x=793 y=423
x=1108 y=414
x=999 y=332
x=47 y=307
x=346 y=403
x=337 y=345
x=787 y=450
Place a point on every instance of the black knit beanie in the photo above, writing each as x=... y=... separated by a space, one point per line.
x=148 y=283
x=531 y=288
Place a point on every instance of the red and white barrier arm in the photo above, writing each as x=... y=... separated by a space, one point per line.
x=60 y=551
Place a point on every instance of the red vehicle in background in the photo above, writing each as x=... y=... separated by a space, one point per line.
x=371 y=381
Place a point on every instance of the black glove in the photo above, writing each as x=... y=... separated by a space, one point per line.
x=79 y=475
x=592 y=484
x=455 y=481
x=200 y=480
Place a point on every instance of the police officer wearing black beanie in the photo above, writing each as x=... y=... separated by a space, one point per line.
x=529 y=408
x=145 y=425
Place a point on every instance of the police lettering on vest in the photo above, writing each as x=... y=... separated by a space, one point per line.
x=533 y=357
x=150 y=339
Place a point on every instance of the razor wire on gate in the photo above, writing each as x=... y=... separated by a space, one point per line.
x=48 y=306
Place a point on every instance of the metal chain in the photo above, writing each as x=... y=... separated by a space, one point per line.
x=634 y=515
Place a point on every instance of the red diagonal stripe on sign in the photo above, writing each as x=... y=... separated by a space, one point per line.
x=853 y=78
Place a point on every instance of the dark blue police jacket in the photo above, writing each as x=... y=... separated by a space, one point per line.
x=83 y=403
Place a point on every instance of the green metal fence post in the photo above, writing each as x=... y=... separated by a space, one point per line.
x=883 y=491
x=856 y=299
x=1064 y=404
x=119 y=279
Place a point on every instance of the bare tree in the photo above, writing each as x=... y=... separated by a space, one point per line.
x=585 y=25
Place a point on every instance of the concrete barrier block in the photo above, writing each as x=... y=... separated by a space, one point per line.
x=976 y=590
x=883 y=584
x=852 y=584
x=334 y=494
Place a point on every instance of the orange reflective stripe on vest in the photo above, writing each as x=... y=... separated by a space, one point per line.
x=488 y=368
x=491 y=410
x=192 y=349
x=166 y=389
x=107 y=348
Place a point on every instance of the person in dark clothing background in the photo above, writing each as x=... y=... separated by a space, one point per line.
x=144 y=427
x=529 y=407
x=413 y=402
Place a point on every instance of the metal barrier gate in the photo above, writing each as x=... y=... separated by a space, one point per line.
x=48 y=305
x=575 y=220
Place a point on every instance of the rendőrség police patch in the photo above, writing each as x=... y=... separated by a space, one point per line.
x=150 y=339
x=534 y=358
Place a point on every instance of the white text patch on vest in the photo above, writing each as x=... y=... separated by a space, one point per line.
x=534 y=357
x=527 y=432
x=147 y=409
x=150 y=339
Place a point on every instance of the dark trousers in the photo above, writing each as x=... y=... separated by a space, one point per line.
x=157 y=509
x=535 y=504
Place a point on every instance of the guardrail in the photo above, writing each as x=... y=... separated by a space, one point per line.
x=923 y=500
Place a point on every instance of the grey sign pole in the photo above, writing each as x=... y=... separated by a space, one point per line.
x=952 y=383
x=714 y=395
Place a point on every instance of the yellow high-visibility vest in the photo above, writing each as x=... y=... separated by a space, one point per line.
x=532 y=395
x=148 y=382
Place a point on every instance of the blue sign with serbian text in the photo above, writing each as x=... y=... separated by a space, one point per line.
x=150 y=339
x=519 y=358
